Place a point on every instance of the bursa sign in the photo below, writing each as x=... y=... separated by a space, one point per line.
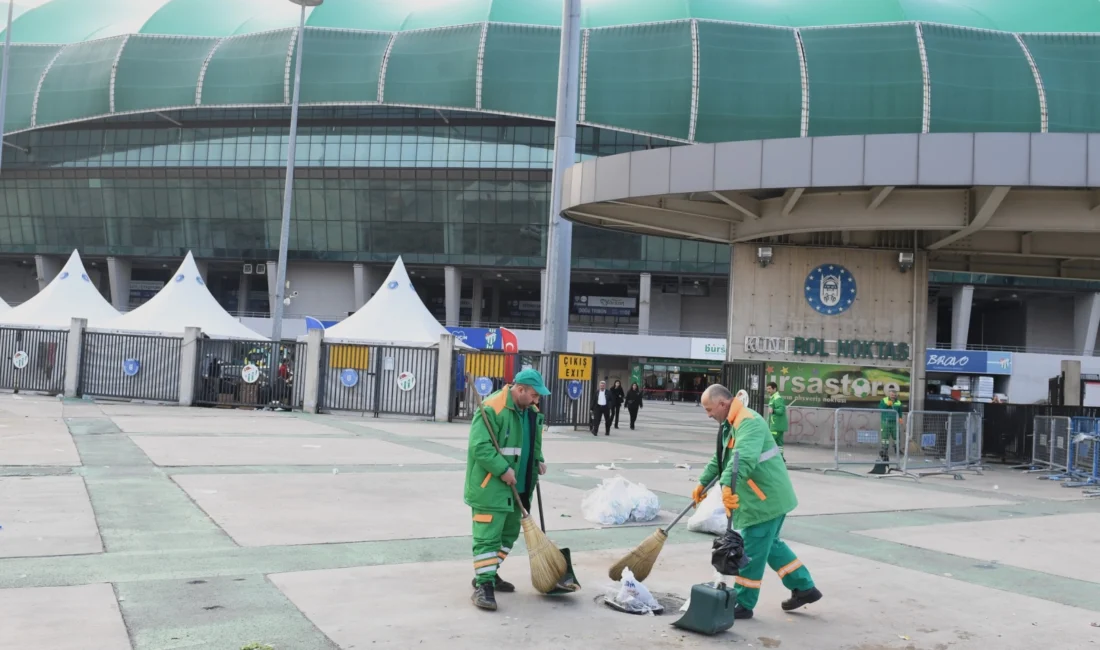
x=976 y=362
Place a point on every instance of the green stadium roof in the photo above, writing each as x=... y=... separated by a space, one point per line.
x=690 y=70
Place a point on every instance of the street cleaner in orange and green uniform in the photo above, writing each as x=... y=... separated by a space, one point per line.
x=517 y=425
x=891 y=424
x=758 y=499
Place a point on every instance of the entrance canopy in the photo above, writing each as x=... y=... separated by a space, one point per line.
x=70 y=295
x=184 y=302
x=394 y=316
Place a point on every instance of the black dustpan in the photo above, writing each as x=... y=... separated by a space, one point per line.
x=568 y=583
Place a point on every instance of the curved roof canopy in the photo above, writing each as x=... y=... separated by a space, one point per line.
x=687 y=70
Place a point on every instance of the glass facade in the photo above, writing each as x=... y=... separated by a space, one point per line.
x=372 y=183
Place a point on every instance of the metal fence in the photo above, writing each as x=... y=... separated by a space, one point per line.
x=239 y=374
x=1050 y=444
x=867 y=437
x=130 y=366
x=938 y=442
x=33 y=360
x=747 y=375
x=378 y=379
x=810 y=425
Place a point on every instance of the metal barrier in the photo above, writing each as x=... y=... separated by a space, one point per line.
x=481 y=373
x=130 y=366
x=573 y=380
x=867 y=437
x=810 y=425
x=238 y=374
x=378 y=379
x=1050 y=444
x=33 y=360
x=940 y=442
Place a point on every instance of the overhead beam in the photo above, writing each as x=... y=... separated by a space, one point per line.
x=878 y=195
x=168 y=119
x=672 y=205
x=746 y=205
x=790 y=199
x=986 y=202
x=686 y=226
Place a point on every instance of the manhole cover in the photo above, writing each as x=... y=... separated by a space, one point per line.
x=668 y=603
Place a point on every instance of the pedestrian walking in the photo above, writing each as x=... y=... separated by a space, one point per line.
x=602 y=401
x=758 y=499
x=777 y=415
x=620 y=397
x=633 y=403
x=517 y=423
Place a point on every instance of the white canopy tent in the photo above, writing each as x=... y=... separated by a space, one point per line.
x=70 y=295
x=395 y=316
x=183 y=302
x=3 y=306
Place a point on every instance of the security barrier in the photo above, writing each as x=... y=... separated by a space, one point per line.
x=378 y=379
x=1050 y=444
x=239 y=373
x=130 y=366
x=867 y=437
x=33 y=360
x=938 y=442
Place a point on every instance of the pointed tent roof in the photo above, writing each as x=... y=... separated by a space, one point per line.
x=183 y=302
x=394 y=316
x=4 y=306
x=70 y=295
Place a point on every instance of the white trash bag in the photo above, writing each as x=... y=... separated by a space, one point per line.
x=632 y=596
x=618 y=501
x=710 y=515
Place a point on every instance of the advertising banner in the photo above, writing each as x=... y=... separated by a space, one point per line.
x=968 y=362
x=604 y=306
x=834 y=385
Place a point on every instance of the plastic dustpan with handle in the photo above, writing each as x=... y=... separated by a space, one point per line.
x=710 y=610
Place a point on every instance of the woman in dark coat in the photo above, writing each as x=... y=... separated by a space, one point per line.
x=617 y=393
x=633 y=403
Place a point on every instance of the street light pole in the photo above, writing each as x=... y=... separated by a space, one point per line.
x=4 y=78
x=559 y=246
x=288 y=193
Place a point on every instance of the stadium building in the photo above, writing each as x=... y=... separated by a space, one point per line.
x=875 y=180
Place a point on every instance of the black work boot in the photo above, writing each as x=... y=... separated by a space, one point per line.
x=800 y=598
x=740 y=613
x=484 y=598
x=500 y=585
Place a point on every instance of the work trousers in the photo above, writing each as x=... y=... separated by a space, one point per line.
x=778 y=435
x=764 y=548
x=494 y=535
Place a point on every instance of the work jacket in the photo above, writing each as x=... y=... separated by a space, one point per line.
x=485 y=492
x=777 y=421
x=762 y=482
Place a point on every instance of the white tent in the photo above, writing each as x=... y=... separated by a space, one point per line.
x=70 y=295
x=394 y=316
x=183 y=302
x=3 y=306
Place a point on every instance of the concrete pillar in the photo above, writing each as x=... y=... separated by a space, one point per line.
x=46 y=268
x=921 y=323
x=359 y=278
x=961 y=302
x=475 y=301
x=189 y=360
x=932 y=320
x=1086 y=318
x=588 y=347
x=645 y=287
x=494 y=305
x=730 y=312
x=204 y=270
x=443 y=377
x=244 y=287
x=1071 y=371
x=452 y=283
x=314 y=340
x=74 y=354
x=272 y=275
x=118 y=273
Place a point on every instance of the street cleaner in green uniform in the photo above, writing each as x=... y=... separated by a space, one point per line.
x=758 y=499
x=777 y=419
x=517 y=425
x=890 y=427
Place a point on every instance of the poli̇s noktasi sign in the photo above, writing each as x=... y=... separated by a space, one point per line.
x=978 y=362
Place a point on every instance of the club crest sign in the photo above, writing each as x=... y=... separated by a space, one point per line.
x=830 y=289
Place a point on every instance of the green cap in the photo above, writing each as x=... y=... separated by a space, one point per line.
x=531 y=377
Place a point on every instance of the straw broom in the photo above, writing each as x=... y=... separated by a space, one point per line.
x=642 y=558
x=548 y=565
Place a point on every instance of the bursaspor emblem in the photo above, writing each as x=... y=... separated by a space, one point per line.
x=830 y=289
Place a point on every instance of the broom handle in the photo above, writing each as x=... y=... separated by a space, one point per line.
x=689 y=507
x=736 y=467
x=542 y=517
x=493 y=439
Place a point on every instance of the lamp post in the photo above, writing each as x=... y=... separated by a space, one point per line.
x=288 y=193
x=4 y=78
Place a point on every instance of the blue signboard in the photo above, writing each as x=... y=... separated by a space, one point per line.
x=483 y=386
x=316 y=324
x=830 y=289
x=574 y=389
x=977 y=362
x=131 y=367
x=349 y=378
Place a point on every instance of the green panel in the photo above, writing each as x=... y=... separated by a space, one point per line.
x=74 y=21
x=25 y=70
x=221 y=17
x=750 y=83
x=520 y=73
x=248 y=70
x=639 y=78
x=981 y=81
x=527 y=12
x=864 y=80
x=434 y=68
x=79 y=83
x=1070 y=68
x=157 y=72
x=342 y=66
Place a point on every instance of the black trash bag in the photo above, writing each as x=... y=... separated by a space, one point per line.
x=727 y=554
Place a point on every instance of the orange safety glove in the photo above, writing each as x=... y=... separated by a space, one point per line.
x=730 y=500
x=699 y=494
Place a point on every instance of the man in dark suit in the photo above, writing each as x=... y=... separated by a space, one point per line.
x=603 y=401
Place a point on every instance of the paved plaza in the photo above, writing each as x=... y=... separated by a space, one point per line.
x=128 y=526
